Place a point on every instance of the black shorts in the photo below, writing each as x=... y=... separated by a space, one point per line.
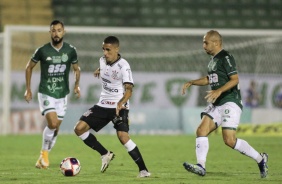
x=98 y=117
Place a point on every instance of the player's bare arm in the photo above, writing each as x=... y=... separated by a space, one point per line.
x=97 y=73
x=198 y=82
x=214 y=94
x=124 y=99
x=28 y=72
x=76 y=70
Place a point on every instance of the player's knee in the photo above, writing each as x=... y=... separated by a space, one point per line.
x=202 y=132
x=121 y=124
x=53 y=125
x=80 y=128
x=229 y=142
x=123 y=137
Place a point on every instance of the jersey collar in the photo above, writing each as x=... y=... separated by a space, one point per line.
x=56 y=48
x=217 y=53
x=119 y=56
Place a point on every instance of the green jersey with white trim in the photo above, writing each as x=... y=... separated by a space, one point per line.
x=55 y=66
x=220 y=68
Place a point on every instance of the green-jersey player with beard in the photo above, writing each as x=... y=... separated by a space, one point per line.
x=55 y=67
x=56 y=59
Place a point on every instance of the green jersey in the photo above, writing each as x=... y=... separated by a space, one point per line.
x=220 y=68
x=55 y=66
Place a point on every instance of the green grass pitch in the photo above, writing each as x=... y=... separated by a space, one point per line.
x=163 y=154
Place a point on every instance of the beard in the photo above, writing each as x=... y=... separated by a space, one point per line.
x=57 y=40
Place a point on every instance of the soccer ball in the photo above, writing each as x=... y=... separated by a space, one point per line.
x=70 y=166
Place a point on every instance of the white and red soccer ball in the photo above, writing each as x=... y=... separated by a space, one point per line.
x=70 y=166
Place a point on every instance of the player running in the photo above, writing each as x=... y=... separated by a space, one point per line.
x=225 y=106
x=55 y=59
x=113 y=105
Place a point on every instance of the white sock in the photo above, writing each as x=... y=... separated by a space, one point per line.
x=244 y=148
x=54 y=140
x=202 y=148
x=130 y=145
x=84 y=135
x=47 y=138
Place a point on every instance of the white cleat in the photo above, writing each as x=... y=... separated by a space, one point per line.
x=106 y=159
x=144 y=174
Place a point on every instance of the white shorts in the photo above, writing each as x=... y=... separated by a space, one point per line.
x=50 y=104
x=227 y=115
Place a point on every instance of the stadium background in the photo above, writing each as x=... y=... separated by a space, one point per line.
x=257 y=60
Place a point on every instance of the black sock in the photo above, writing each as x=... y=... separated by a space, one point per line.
x=92 y=142
x=137 y=157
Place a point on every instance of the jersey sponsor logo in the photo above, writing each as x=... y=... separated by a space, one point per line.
x=48 y=59
x=53 y=87
x=108 y=102
x=105 y=80
x=115 y=75
x=56 y=59
x=106 y=73
x=228 y=60
x=65 y=57
x=213 y=80
x=58 y=69
x=112 y=90
x=56 y=79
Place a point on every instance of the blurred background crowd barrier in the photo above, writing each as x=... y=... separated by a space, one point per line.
x=162 y=40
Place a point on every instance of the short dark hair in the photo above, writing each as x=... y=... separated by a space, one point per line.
x=55 y=22
x=111 y=40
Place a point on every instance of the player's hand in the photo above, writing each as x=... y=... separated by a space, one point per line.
x=97 y=73
x=119 y=107
x=28 y=95
x=185 y=86
x=212 y=96
x=77 y=91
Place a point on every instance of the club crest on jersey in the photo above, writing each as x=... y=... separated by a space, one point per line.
x=64 y=57
x=115 y=75
x=87 y=113
x=46 y=102
x=212 y=65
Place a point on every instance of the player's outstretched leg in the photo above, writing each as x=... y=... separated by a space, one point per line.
x=106 y=159
x=195 y=168
x=263 y=167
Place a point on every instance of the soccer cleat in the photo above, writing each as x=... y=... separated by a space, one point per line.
x=196 y=169
x=106 y=160
x=263 y=165
x=43 y=161
x=38 y=164
x=144 y=174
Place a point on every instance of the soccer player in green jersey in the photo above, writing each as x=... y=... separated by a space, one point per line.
x=225 y=106
x=56 y=59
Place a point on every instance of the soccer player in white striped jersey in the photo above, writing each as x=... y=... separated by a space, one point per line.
x=113 y=105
